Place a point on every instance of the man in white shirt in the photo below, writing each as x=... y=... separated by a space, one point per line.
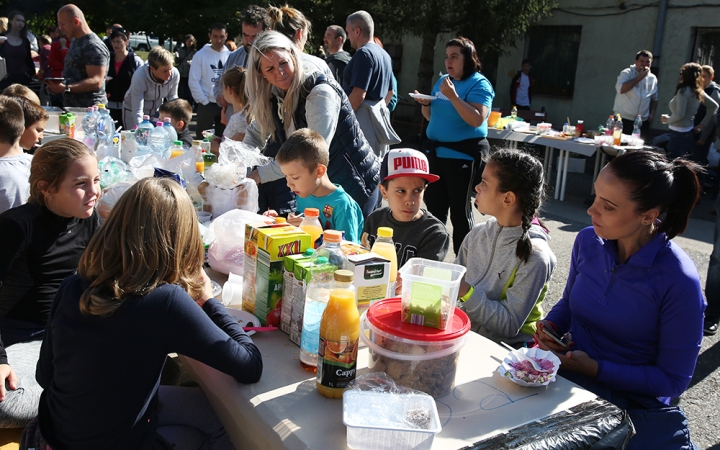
x=206 y=69
x=637 y=93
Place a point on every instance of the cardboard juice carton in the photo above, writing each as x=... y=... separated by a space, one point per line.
x=372 y=277
x=272 y=244
x=288 y=284
x=255 y=239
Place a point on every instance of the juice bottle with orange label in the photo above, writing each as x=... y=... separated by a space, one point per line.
x=385 y=247
x=338 y=348
x=312 y=226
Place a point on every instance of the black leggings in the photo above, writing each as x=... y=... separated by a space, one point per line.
x=454 y=190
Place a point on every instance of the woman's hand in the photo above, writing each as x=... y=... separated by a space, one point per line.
x=578 y=361
x=206 y=289
x=447 y=87
x=546 y=342
x=7 y=374
x=422 y=101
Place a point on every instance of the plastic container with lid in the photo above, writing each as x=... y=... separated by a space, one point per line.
x=430 y=291
x=418 y=357
x=379 y=420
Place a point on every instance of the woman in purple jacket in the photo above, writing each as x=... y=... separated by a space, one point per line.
x=633 y=307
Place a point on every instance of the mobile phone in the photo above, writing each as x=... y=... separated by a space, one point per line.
x=550 y=332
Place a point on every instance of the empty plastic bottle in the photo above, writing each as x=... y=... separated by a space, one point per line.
x=105 y=127
x=88 y=122
x=170 y=130
x=158 y=140
x=143 y=131
x=637 y=127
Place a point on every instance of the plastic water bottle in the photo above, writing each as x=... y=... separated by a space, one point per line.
x=637 y=126
x=316 y=299
x=88 y=122
x=609 y=126
x=169 y=129
x=143 y=132
x=158 y=140
x=105 y=127
x=330 y=248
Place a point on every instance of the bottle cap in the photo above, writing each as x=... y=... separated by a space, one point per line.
x=309 y=252
x=385 y=232
x=321 y=260
x=158 y=124
x=196 y=142
x=332 y=236
x=280 y=220
x=178 y=143
x=146 y=117
x=101 y=106
x=90 y=108
x=312 y=212
x=167 y=120
x=346 y=276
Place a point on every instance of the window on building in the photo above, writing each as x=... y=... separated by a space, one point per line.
x=553 y=51
x=707 y=43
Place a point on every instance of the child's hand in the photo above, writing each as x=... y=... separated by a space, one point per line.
x=398 y=285
x=223 y=116
x=270 y=213
x=294 y=220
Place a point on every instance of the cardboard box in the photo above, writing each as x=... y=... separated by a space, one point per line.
x=266 y=246
x=372 y=278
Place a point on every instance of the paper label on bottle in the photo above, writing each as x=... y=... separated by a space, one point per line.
x=337 y=362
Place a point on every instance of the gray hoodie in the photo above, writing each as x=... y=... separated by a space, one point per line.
x=146 y=95
x=488 y=253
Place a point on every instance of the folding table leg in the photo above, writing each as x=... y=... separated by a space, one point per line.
x=559 y=172
x=598 y=155
x=564 y=175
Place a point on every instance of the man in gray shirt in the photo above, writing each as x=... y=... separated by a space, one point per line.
x=86 y=62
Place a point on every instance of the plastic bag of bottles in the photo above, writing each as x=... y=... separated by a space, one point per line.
x=110 y=197
x=112 y=171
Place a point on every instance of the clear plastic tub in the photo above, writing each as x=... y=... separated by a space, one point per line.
x=421 y=358
x=429 y=291
x=384 y=421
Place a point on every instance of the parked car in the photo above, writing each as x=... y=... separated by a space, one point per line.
x=143 y=42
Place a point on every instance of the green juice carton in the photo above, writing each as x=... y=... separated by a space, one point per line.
x=288 y=284
x=266 y=246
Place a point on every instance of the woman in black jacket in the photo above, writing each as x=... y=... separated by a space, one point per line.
x=15 y=49
x=123 y=64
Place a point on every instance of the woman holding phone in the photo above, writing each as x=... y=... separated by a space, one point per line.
x=633 y=307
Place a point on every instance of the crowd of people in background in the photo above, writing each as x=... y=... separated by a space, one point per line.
x=631 y=315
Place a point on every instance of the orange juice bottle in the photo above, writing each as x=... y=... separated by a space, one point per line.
x=385 y=247
x=176 y=149
x=312 y=226
x=338 y=348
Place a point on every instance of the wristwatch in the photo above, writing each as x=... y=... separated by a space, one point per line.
x=67 y=89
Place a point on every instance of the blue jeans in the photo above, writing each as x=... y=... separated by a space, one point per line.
x=681 y=144
x=712 y=285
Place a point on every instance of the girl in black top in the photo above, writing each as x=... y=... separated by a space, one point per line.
x=41 y=245
x=140 y=294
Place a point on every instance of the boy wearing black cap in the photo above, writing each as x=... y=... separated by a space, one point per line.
x=416 y=232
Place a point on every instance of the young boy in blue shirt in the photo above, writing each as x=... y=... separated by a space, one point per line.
x=303 y=159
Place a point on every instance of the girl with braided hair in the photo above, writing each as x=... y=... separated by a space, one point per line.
x=633 y=302
x=508 y=259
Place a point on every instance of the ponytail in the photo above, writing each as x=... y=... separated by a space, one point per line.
x=522 y=174
x=687 y=187
x=656 y=182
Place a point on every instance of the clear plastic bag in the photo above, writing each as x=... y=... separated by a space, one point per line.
x=110 y=197
x=379 y=401
x=226 y=236
x=241 y=153
x=113 y=170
